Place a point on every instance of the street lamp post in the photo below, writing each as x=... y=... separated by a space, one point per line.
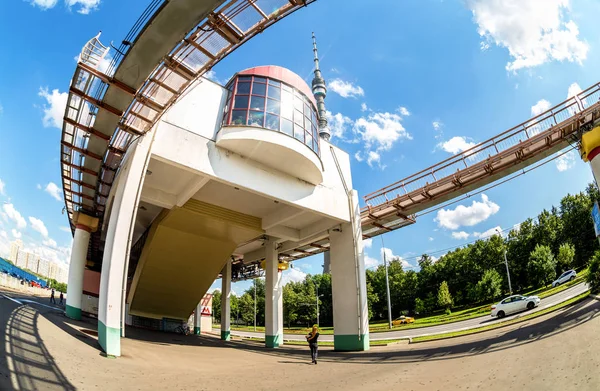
x=387 y=284
x=317 y=288
x=255 y=304
x=506 y=264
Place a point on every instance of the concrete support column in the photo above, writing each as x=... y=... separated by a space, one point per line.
x=197 y=319
x=326 y=262
x=225 y=302
x=348 y=284
x=123 y=211
x=84 y=225
x=273 y=297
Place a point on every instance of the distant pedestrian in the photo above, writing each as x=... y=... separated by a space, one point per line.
x=52 y=299
x=60 y=298
x=313 y=339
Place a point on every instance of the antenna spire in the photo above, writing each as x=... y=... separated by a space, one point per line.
x=319 y=90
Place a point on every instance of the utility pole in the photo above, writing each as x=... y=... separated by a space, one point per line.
x=387 y=284
x=506 y=262
x=317 y=288
x=255 y=304
x=507 y=272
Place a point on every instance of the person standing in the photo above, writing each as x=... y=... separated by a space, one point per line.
x=52 y=299
x=60 y=298
x=313 y=338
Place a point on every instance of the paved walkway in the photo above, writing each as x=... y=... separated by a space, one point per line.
x=445 y=328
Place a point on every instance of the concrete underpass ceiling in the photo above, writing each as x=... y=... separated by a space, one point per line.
x=145 y=216
x=167 y=178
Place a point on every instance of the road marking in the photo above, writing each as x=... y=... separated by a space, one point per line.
x=35 y=302
x=11 y=299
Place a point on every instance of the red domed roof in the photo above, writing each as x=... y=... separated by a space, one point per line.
x=284 y=75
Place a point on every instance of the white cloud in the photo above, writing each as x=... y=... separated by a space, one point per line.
x=3 y=234
x=390 y=256
x=403 y=111
x=16 y=234
x=50 y=243
x=381 y=130
x=44 y=4
x=533 y=31
x=434 y=259
x=38 y=186
x=437 y=125
x=462 y=235
x=566 y=161
x=488 y=233
x=54 y=191
x=370 y=262
x=574 y=89
x=14 y=215
x=456 y=145
x=338 y=124
x=484 y=46
x=2 y=184
x=367 y=243
x=430 y=239
x=59 y=255
x=292 y=275
x=85 y=6
x=358 y=156
x=346 y=89
x=374 y=158
x=54 y=111
x=65 y=229
x=363 y=107
x=541 y=106
x=39 y=226
x=467 y=215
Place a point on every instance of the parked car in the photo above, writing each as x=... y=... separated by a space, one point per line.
x=569 y=275
x=403 y=320
x=513 y=304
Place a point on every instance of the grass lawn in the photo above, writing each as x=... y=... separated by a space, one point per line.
x=434 y=320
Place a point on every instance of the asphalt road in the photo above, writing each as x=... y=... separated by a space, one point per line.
x=445 y=328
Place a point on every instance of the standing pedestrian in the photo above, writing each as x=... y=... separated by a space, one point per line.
x=312 y=339
x=52 y=299
x=60 y=301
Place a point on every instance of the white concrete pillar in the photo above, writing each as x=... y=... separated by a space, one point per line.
x=76 y=268
x=348 y=284
x=273 y=297
x=197 y=318
x=118 y=243
x=326 y=262
x=225 y=301
x=84 y=225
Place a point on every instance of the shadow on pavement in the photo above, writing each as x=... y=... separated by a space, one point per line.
x=25 y=363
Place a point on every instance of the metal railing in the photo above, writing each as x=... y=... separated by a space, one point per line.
x=522 y=133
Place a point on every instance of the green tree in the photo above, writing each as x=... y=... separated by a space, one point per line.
x=593 y=278
x=444 y=298
x=565 y=257
x=419 y=306
x=216 y=306
x=246 y=305
x=490 y=286
x=542 y=265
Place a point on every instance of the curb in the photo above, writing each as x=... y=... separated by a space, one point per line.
x=595 y=297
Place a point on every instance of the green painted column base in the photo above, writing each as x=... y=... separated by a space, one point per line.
x=225 y=335
x=109 y=339
x=350 y=343
x=273 y=341
x=73 y=313
x=197 y=330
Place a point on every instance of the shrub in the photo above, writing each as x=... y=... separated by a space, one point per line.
x=593 y=278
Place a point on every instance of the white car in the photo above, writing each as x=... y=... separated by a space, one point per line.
x=513 y=304
x=569 y=275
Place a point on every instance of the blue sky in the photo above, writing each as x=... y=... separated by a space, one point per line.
x=408 y=86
